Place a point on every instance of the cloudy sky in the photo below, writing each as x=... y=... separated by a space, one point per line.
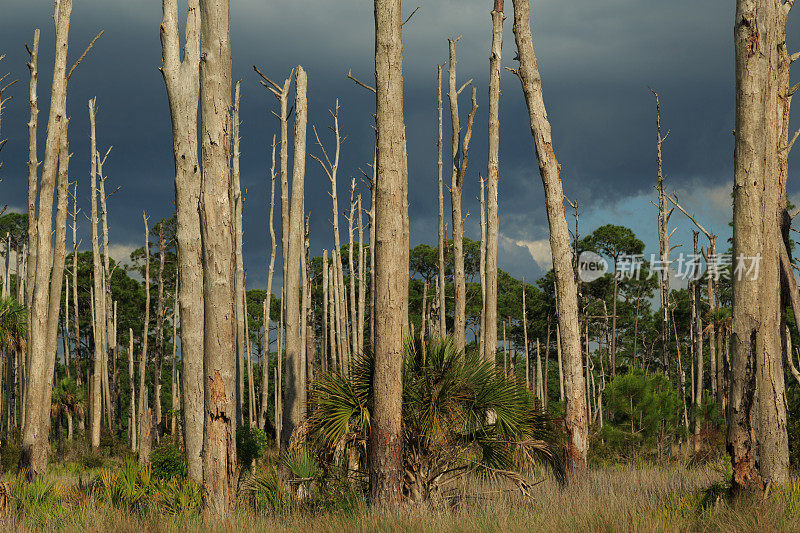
x=597 y=59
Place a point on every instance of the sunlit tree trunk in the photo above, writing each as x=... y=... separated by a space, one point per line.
x=262 y=413
x=459 y=167
x=294 y=398
x=440 y=166
x=42 y=327
x=160 y=317
x=391 y=258
x=219 y=435
x=145 y=422
x=235 y=193
x=575 y=408
x=99 y=324
x=492 y=217
x=182 y=80
x=757 y=396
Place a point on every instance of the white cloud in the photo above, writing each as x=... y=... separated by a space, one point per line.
x=121 y=253
x=539 y=250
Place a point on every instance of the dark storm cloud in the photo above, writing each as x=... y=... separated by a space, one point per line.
x=597 y=58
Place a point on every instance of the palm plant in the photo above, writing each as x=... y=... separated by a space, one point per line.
x=13 y=324
x=460 y=415
x=69 y=401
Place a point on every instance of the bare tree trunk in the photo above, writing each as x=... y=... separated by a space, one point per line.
x=182 y=80
x=75 y=314
x=235 y=192
x=107 y=302
x=539 y=377
x=331 y=168
x=482 y=268
x=131 y=379
x=144 y=406
x=295 y=401
x=336 y=362
x=176 y=395
x=351 y=268
x=160 y=317
x=42 y=326
x=251 y=387
x=492 y=217
x=757 y=396
x=442 y=244
x=262 y=414
x=525 y=336
x=33 y=178
x=698 y=350
x=391 y=258
x=459 y=168
x=663 y=241
x=362 y=279
x=279 y=374
x=220 y=471
x=575 y=409
x=99 y=292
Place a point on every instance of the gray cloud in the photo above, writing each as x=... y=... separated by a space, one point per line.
x=596 y=58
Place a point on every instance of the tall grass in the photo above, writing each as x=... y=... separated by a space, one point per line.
x=624 y=498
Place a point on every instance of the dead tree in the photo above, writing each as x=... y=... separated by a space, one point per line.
x=757 y=395
x=492 y=217
x=331 y=168
x=131 y=379
x=216 y=224
x=145 y=424
x=712 y=275
x=482 y=266
x=362 y=282
x=235 y=193
x=98 y=275
x=295 y=394
x=262 y=413
x=182 y=80
x=351 y=268
x=160 y=318
x=567 y=302
x=391 y=257
x=442 y=244
x=460 y=157
x=525 y=338
x=664 y=235
x=46 y=267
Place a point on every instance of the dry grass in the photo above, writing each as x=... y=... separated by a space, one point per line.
x=651 y=498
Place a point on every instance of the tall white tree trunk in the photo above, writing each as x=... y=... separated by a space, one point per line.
x=575 y=408
x=295 y=401
x=182 y=80
x=219 y=433
x=493 y=180
x=391 y=258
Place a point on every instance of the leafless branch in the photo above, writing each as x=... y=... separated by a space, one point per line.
x=411 y=15
x=691 y=217
x=83 y=55
x=359 y=82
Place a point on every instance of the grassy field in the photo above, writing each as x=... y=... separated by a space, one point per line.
x=618 y=498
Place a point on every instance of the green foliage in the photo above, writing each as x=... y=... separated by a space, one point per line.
x=39 y=500
x=9 y=454
x=644 y=411
x=265 y=490
x=168 y=461
x=177 y=495
x=459 y=414
x=251 y=444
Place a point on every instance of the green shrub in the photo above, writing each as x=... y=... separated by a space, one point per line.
x=251 y=444
x=9 y=454
x=168 y=461
x=91 y=460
